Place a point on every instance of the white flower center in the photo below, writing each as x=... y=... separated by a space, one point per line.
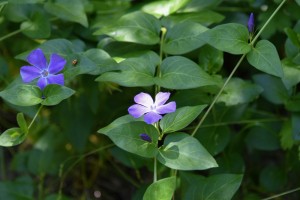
x=45 y=73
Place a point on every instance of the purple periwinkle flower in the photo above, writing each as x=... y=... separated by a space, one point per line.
x=251 y=23
x=152 y=111
x=41 y=70
x=145 y=137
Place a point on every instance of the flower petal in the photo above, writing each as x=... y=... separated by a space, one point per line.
x=56 y=64
x=161 y=98
x=37 y=59
x=152 y=117
x=56 y=79
x=143 y=99
x=137 y=110
x=168 y=108
x=29 y=73
x=42 y=82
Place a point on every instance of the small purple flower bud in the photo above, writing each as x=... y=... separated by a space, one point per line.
x=145 y=137
x=251 y=23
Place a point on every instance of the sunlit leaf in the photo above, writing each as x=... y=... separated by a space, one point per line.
x=12 y=137
x=162 y=189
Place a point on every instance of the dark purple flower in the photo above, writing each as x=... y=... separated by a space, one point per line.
x=46 y=74
x=152 y=111
x=145 y=137
x=251 y=23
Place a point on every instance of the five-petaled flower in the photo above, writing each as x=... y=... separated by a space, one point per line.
x=46 y=74
x=251 y=23
x=152 y=111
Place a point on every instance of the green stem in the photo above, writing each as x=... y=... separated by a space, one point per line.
x=282 y=194
x=35 y=116
x=158 y=72
x=235 y=68
x=11 y=34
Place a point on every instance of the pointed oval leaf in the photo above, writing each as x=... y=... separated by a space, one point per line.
x=164 y=8
x=181 y=73
x=32 y=28
x=126 y=136
x=69 y=10
x=54 y=94
x=231 y=38
x=22 y=95
x=161 y=190
x=137 y=27
x=22 y=123
x=264 y=57
x=184 y=152
x=12 y=137
x=180 y=119
x=183 y=38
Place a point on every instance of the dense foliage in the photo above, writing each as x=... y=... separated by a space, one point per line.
x=153 y=100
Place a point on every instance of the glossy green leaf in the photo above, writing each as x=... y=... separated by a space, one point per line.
x=274 y=90
x=68 y=10
x=183 y=37
x=36 y=27
x=164 y=8
x=22 y=95
x=231 y=38
x=239 y=91
x=210 y=59
x=220 y=186
x=12 y=137
x=205 y=17
x=137 y=27
x=181 y=73
x=54 y=94
x=183 y=152
x=162 y=189
x=180 y=119
x=118 y=122
x=264 y=57
x=126 y=136
x=22 y=123
x=134 y=72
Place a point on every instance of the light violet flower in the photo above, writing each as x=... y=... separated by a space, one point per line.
x=145 y=137
x=46 y=74
x=152 y=111
x=251 y=23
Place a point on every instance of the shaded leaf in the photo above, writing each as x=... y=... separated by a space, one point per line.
x=36 y=27
x=12 y=137
x=231 y=38
x=179 y=119
x=183 y=152
x=54 y=94
x=210 y=59
x=264 y=57
x=161 y=190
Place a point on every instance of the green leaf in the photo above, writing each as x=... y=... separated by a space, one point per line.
x=239 y=91
x=183 y=38
x=296 y=126
x=22 y=95
x=68 y=10
x=22 y=123
x=181 y=73
x=180 y=119
x=164 y=8
x=210 y=59
x=273 y=178
x=221 y=186
x=161 y=190
x=134 y=72
x=293 y=36
x=137 y=27
x=264 y=57
x=36 y=27
x=12 y=137
x=126 y=136
x=231 y=38
x=292 y=104
x=286 y=136
x=274 y=90
x=183 y=152
x=291 y=75
x=54 y=94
